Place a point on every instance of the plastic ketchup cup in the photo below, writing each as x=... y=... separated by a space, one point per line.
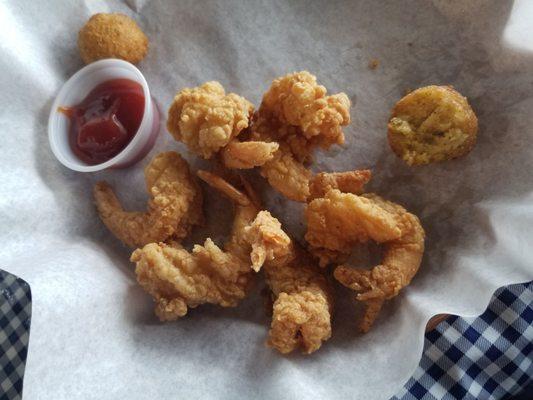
x=75 y=90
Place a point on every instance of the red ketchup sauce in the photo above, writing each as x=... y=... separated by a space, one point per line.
x=106 y=120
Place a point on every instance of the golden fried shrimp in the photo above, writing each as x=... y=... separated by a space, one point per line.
x=285 y=171
x=247 y=207
x=249 y=154
x=269 y=242
x=267 y=128
x=338 y=221
x=430 y=124
x=401 y=260
x=287 y=175
x=224 y=187
x=206 y=119
x=175 y=204
x=178 y=279
x=301 y=315
x=346 y=182
x=112 y=36
x=297 y=114
x=297 y=99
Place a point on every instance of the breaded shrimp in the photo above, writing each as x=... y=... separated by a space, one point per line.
x=338 y=221
x=346 y=182
x=287 y=175
x=401 y=260
x=206 y=119
x=297 y=114
x=298 y=100
x=175 y=204
x=249 y=154
x=301 y=315
x=178 y=279
x=296 y=117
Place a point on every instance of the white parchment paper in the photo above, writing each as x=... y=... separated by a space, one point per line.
x=93 y=333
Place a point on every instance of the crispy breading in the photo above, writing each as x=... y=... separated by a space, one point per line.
x=178 y=279
x=401 y=260
x=249 y=154
x=175 y=204
x=297 y=114
x=346 y=182
x=338 y=221
x=206 y=119
x=297 y=99
x=301 y=314
x=287 y=175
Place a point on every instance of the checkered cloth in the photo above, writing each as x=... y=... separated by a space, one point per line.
x=484 y=358
x=15 y=313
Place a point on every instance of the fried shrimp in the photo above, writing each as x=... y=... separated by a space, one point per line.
x=347 y=182
x=401 y=261
x=297 y=114
x=250 y=154
x=298 y=100
x=332 y=214
x=178 y=279
x=301 y=315
x=287 y=175
x=338 y=221
x=175 y=204
x=206 y=119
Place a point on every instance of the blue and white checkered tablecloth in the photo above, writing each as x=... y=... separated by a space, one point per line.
x=15 y=314
x=483 y=358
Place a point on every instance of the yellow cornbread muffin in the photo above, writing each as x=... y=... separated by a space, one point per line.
x=430 y=124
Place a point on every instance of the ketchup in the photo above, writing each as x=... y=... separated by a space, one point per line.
x=106 y=120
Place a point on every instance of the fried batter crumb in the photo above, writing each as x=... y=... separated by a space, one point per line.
x=373 y=63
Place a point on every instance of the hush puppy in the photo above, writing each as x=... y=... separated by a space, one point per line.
x=112 y=36
x=430 y=124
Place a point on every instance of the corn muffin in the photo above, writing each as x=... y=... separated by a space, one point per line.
x=430 y=124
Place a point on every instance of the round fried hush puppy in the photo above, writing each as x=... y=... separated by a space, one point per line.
x=430 y=124
x=112 y=36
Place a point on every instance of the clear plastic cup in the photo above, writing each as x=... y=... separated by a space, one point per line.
x=75 y=90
